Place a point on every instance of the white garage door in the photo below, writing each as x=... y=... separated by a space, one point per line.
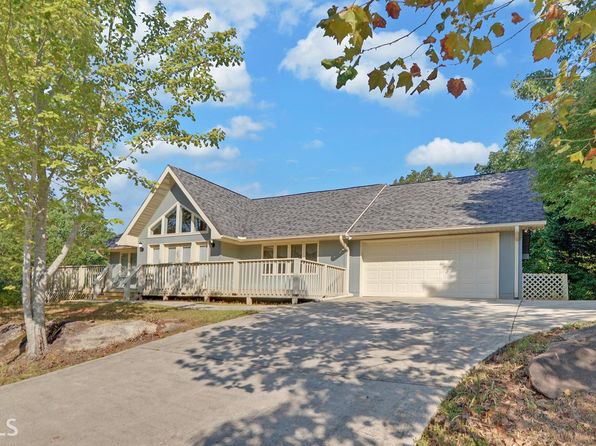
x=450 y=266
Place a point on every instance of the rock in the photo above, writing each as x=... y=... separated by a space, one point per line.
x=77 y=336
x=566 y=366
x=9 y=333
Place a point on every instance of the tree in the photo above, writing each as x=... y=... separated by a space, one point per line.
x=463 y=32
x=426 y=174
x=90 y=247
x=516 y=154
x=76 y=86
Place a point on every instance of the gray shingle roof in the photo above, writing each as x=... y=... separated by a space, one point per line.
x=226 y=209
x=466 y=201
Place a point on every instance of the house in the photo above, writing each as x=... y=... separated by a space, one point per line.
x=459 y=237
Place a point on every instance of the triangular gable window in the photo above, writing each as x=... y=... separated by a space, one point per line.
x=177 y=220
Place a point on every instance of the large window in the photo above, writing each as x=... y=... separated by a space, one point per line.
x=308 y=251
x=178 y=220
x=186 y=224
x=171 y=222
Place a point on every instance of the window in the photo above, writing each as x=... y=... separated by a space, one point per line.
x=156 y=230
x=267 y=252
x=311 y=252
x=171 y=222
x=296 y=251
x=200 y=225
x=186 y=221
x=154 y=257
x=168 y=223
x=308 y=251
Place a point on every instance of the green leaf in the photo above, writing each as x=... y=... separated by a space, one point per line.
x=498 y=29
x=538 y=30
x=423 y=85
x=481 y=46
x=376 y=79
x=345 y=76
x=543 y=49
x=542 y=125
x=404 y=79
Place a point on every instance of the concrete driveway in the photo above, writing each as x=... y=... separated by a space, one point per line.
x=358 y=371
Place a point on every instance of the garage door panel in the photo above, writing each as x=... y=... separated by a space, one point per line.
x=456 y=266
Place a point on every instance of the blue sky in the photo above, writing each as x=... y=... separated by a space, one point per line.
x=290 y=131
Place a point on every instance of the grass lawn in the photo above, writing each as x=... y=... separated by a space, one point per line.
x=496 y=405
x=169 y=321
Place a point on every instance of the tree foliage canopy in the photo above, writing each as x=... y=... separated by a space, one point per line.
x=426 y=174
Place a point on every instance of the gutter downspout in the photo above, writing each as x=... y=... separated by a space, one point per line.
x=346 y=236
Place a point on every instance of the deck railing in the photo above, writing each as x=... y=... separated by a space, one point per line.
x=74 y=282
x=249 y=278
x=246 y=278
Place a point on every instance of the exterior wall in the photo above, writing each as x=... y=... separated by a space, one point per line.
x=172 y=197
x=507 y=265
x=354 y=267
x=332 y=253
x=229 y=251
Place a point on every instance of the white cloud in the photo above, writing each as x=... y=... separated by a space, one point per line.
x=314 y=144
x=235 y=83
x=165 y=150
x=445 y=151
x=304 y=61
x=244 y=127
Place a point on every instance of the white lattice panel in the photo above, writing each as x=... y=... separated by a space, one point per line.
x=545 y=287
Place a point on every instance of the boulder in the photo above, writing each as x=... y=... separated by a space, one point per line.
x=569 y=365
x=78 y=336
x=9 y=333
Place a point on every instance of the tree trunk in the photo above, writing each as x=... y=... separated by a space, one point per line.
x=38 y=347
x=26 y=289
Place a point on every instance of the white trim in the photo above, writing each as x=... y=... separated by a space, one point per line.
x=455 y=230
x=498 y=263
x=129 y=239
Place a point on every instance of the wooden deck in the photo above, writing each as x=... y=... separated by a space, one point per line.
x=276 y=278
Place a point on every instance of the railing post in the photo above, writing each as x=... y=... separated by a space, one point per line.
x=324 y=284
x=236 y=277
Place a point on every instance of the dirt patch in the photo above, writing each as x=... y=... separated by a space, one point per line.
x=495 y=404
x=80 y=331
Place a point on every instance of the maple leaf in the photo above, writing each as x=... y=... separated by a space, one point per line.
x=516 y=18
x=376 y=79
x=453 y=45
x=415 y=70
x=378 y=21
x=404 y=79
x=393 y=9
x=429 y=39
x=456 y=86
x=544 y=49
x=433 y=75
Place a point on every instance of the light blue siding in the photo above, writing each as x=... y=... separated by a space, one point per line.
x=507 y=265
x=355 y=267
